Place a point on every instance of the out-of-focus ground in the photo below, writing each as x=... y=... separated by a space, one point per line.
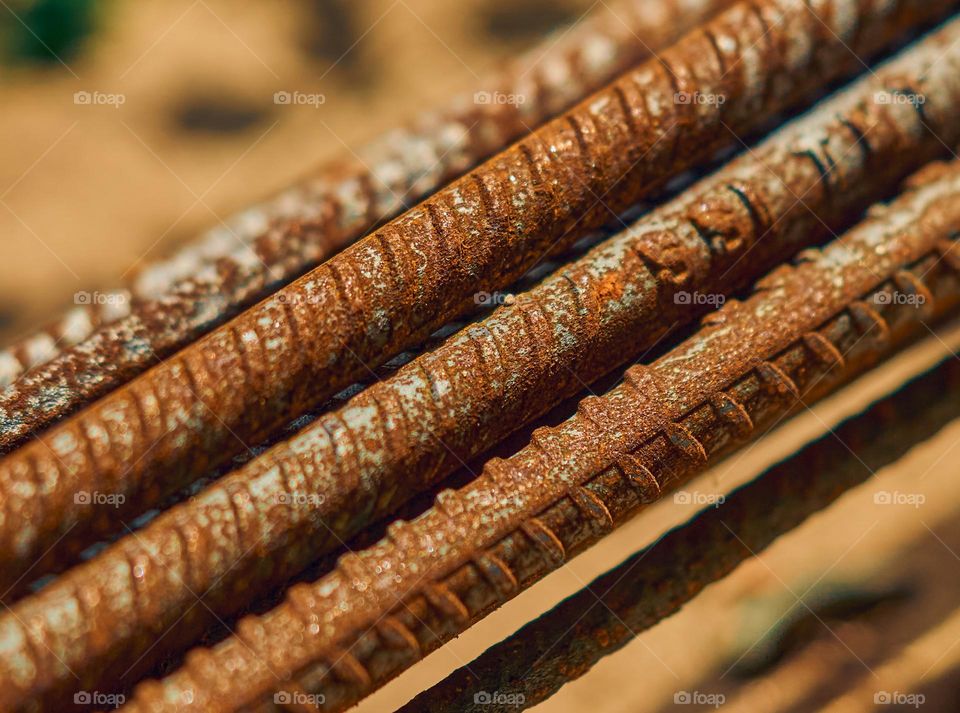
x=857 y=602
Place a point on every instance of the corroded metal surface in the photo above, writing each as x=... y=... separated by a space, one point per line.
x=177 y=300
x=394 y=287
x=271 y=518
x=607 y=614
x=807 y=329
x=72 y=328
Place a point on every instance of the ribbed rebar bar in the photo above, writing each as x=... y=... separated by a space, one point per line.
x=564 y=643
x=807 y=329
x=394 y=287
x=591 y=329
x=267 y=521
x=177 y=300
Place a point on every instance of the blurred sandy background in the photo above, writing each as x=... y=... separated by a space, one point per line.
x=88 y=192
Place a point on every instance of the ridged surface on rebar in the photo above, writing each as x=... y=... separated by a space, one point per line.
x=176 y=301
x=401 y=435
x=393 y=288
x=807 y=329
x=612 y=610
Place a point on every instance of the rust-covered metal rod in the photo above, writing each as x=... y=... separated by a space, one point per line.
x=393 y=288
x=805 y=331
x=360 y=462
x=564 y=643
x=175 y=301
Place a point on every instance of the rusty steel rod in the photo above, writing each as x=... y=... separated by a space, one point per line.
x=393 y=288
x=807 y=329
x=70 y=329
x=564 y=643
x=177 y=300
x=562 y=337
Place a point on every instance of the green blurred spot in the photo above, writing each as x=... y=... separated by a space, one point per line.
x=43 y=30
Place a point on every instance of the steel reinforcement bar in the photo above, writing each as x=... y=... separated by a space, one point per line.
x=304 y=496
x=175 y=301
x=393 y=288
x=807 y=329
x=564 y=643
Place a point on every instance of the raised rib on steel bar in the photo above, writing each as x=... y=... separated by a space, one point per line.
x=809 y=328
x=325 y=330
x=565 y=642
x=175 y=301
x=307 y=494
